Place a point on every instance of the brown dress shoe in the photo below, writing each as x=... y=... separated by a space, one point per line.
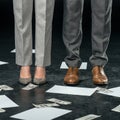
x=99 y=76
x=72 y=76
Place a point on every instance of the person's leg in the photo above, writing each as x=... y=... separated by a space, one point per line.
x=72 y=31
x=72 y=37
x=101 y=30
x=23 y=31
x=44 y=16
x=23 y=37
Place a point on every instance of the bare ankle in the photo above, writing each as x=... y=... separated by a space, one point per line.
x=25 y=72
x=40 y=72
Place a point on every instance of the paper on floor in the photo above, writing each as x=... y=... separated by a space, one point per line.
x=3 y=63
x=45 y=105
x=72 y=90
x=14 y=51
x=89 y=117
x=112 y=92
x=82 y=67
x=2 y=110
x=6 y=102
x=5 y=87
x=30 y=86
x=116 y=109
x=61 y=102
x=46 y=113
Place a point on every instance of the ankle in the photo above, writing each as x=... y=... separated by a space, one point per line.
x=25 y=68
x=25 y=72
x=40 y=72
x=40 y=68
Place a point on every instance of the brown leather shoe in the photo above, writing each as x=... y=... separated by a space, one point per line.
x=99 y=76
x=72 y=76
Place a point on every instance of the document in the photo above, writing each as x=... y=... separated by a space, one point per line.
x=82 y=67
x=5 y=87
x=89 y=117
x=30 y=86
x=3 y=63
x=14 y=51
x=45 y=113
x=71 y=90
x=112 y=92
x=116 y=109
x=61 y=102
x=2 y=110
x=5 y=102
x=45 y=105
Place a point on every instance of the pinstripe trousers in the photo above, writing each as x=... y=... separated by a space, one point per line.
x=23 y=31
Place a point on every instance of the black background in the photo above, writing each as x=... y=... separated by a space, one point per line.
x=7 y=19
x=7 y=30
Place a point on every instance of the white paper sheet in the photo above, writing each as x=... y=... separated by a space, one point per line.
x=89 y=117
x=14 y=51
x=82 y=67
x=2 y=110
x=72 y=90
x=6 y=87
x=112 y=92
x=30 y=86
x=3 y=63
x=116 y=109
x=47 y=113
x=5 y=102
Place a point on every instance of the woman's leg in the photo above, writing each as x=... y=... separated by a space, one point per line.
x=23 y=36
x=44 y=16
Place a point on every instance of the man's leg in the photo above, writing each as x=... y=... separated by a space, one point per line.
x=72 y=37
x=101 y=30
x=72 y=31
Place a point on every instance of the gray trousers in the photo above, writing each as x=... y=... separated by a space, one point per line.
x=101 y=30
x=23 y=31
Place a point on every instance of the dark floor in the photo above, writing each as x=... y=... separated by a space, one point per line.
x=81 y=106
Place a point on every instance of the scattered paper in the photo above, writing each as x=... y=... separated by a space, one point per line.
x=61 y=102
x=112 y=92
x=5 y=87
x=14 y=51
x=5 y=102
x=46 y=105
x=46 y=113
x=82 y=67
x=105 y=90
x=3 y=63
x=2 y=110
x=30 y=86
x=89 y=117
x=72 y=90
x=116 y=109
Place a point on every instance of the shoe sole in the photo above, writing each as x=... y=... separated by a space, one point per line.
x=71 y=84
x=106 y=83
